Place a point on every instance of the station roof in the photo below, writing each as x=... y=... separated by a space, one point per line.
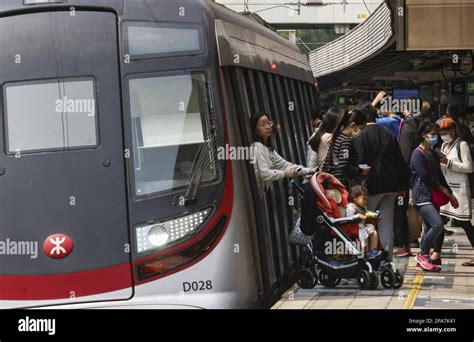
x=367 y=58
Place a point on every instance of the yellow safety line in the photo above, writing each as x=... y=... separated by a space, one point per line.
x=415 y=289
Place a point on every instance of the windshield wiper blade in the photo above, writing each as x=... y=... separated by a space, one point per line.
x=197 y=172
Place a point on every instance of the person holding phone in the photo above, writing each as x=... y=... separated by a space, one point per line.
x=456 y=165
x=341 y=159
x=269 y=165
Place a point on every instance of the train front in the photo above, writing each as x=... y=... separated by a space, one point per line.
x=115 y=190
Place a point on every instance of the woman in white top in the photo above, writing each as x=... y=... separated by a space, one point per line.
x=456 y=164
x=269 y=165
x=320 y=142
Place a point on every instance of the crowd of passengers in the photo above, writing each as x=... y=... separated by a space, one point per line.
x=399 y=158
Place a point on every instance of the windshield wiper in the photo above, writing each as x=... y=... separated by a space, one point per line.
x=202 y=166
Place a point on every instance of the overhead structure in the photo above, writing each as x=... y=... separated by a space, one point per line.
x=403 y=42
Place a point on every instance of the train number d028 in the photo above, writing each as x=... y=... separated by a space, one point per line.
x=197 y=286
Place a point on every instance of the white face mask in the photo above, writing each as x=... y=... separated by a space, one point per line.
x=446 y=138
x=356 y=134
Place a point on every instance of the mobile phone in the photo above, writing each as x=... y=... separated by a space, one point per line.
x=363 y=166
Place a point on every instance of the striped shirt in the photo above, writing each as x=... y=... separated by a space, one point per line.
x=343 y=162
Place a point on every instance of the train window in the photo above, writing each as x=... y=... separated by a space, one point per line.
x=144 y=40
x=50 y=115
x=170 y=127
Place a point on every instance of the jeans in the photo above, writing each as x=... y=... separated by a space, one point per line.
x=386 y=204
x=400 y=221
x=433 y=236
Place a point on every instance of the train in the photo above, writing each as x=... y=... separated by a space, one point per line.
x=113 y=193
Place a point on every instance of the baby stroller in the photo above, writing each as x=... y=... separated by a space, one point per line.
x=322 y=219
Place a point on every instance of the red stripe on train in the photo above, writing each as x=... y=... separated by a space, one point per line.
x=62 y=286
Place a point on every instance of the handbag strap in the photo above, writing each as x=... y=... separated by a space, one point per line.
x=400 y=129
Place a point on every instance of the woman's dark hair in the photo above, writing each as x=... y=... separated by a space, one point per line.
x=453 y=110
x=426 y=113
x=353 y=116
x=315 y=113
x=369 y=111
x=356 y=191
x=253 y=124
x=426 y=127
x=330 y=120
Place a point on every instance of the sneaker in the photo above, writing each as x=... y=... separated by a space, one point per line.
x=424 y=263
x=437 y=262
x=372 y=254
x=402 y=251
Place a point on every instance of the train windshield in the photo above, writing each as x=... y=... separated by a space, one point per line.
x=171 y=125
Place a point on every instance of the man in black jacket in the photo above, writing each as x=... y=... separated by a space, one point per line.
x=409 y=140
x=389 y=175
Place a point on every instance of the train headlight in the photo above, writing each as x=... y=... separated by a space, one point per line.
x=160 y=234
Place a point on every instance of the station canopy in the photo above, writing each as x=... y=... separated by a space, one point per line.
x=387 y=50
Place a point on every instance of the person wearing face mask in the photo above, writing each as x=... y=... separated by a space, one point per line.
x=389 y=175
x=428 y=184
x=269 y=165
x=319 y=143
x=341 y=159
x=456 y=164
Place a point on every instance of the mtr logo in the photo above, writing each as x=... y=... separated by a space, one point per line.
x=58 y=246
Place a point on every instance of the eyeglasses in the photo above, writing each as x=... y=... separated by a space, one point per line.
x=266 y=125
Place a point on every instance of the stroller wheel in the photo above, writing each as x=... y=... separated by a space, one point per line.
x=374 y=281
x=387 y=278
x=306 y=279
x=328 y=280
x=364 y=280
x=398 y=280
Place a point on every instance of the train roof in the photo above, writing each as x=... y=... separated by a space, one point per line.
x=257 y=46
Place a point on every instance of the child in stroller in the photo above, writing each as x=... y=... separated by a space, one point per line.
x=323 y=216
x=368 y=235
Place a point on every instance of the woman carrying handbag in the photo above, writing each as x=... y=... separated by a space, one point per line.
x=430 y=192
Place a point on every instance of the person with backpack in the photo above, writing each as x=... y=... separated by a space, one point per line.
x=389 y=175
x=456 y=165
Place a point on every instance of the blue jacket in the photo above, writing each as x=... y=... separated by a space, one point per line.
x=391 y=123
x=423 y=181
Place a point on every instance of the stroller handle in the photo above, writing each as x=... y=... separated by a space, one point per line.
x=298 y=186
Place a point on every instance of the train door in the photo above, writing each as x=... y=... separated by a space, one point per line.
x=64 y=234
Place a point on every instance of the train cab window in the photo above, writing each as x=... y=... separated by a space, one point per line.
x=144 y=40
x=50 y=115
x=171 y=125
